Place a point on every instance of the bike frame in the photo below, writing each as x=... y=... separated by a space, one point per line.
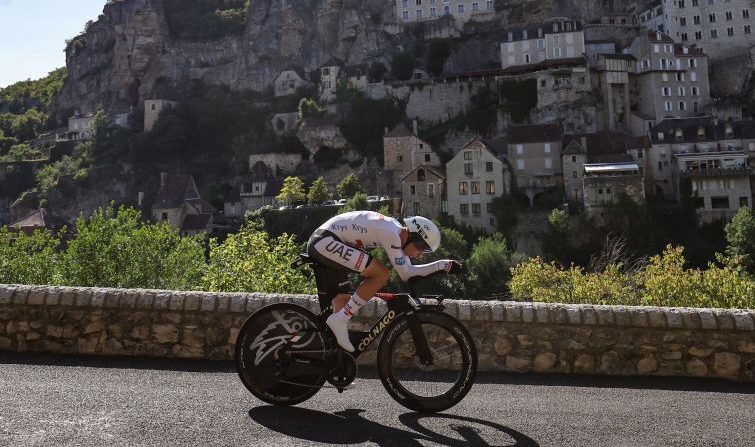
x=399 y=304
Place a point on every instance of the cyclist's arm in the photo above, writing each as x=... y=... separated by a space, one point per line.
x=404 y=266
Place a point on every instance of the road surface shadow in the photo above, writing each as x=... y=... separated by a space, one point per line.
x=349 y=427
x=504 y=378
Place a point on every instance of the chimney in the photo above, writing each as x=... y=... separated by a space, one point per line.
x=414 y=127
x=583 y=140
x=163 y=178
x=140 y=199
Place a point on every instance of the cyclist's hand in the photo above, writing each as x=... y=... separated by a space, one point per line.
x=454 y=268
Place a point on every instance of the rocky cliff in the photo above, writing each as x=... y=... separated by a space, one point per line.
x=131 y=53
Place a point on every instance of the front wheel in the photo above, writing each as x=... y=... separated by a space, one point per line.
x=427 y=386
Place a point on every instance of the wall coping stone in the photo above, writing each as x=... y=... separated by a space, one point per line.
x=466 y=310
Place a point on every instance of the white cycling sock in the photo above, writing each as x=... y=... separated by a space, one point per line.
x=338 y=322
x=351 y=307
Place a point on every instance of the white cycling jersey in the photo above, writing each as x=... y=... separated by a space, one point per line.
x=368 y=229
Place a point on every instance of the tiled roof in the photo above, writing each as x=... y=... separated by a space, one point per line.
x=698 y=129
x=401 y=130
x=534 y=133
x=604 y=147
x=175 y=190
x=533 y=30
x=435 y=170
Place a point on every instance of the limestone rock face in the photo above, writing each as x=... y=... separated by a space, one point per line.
x=129 y=55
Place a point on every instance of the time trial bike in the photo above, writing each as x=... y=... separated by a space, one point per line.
x=426 y=359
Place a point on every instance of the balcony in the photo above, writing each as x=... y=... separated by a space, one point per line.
x=739 y=171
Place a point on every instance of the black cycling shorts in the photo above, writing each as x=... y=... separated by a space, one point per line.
x=327 y=249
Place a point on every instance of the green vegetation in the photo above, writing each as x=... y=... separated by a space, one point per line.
x=318 y=192
x=292 y=191
x=665 y=281
x=206 y=19
x=519 y=98
x=38 y=94
x=365 y=125
x=740 y=236
x=402 y=66
x=308 y=108
x=349 y=186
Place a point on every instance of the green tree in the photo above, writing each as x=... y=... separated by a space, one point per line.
x=505 y=208
x=318 y=192
x=740 y=238
x=29 y=259
x=349 y=186
x=437 y=55
x=489 y=266
x=358 y=202
x=250 y=261
x=308 y=108
x=117 y=249
x=109 y=140
x=377 y=72
x=292 y=191
x=559 y=220
x=28 y=126
x=402 y=66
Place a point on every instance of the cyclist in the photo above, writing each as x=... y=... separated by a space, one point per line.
x=340 y=242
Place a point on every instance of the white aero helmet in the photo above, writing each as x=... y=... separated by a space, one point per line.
x=423 y=231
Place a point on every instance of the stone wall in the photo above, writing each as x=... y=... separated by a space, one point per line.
x=510 y=336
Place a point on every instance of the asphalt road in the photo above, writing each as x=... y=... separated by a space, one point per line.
x=80 y=401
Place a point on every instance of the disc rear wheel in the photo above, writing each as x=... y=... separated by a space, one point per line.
x=280 y=352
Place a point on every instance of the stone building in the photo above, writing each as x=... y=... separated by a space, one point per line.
x=607 y=154
x=719 y=182
x=613 y=79
x=537 y=43
x=178 y=202
x=329 y=75
x=152 y=110
x=289 y=81
x=723 y=28
x=671 y=78
x=80 y=126
x=259 y=188
x=408 y=11
x=683 y=138
x=403 y=151
x=476 y=176
x=423 y=192
x=534 y=152
x=605 y=183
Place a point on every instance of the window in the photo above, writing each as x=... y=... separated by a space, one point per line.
x=476 y=209
x=476 y=187
x=492 y=221
x=489 y=207
x=730 y=31
x=433 y=12
x=164 y=215
x=421 y=175
x=698 y=35
x=548 y=163
x=446 y=10
x=685 y=37
x=475 y=6
x=490 y=187
x=519 y=149
x=668 y=106
x=574 y=174
x=417 y=208
x=419 y=14
x=682 y=105
x=427 y=157
x=463 y=188
x=520 y=165
x=729 y=15
x=467 y=155
x=557 y=52
x=489 y=4
x=489 y=166
x=573 y=158
x=714 y=33
x=405 y=3
x=680 y=76
x=695 y=91
x=667 y=48
x=683 y=21
x=681 y=3
x=656 y=48
x=712 y=17
x=413 y=189
x=695 y=107
x=468 y=168
x=464 y=209
x=666 y=91
x=748 y=30
x=431 y=190
x=745 y=13
x=696 y=20
x=547 y=148
x=461 y=8
x=692 y=63
x=664 y=77
x=682 y=91
x=526 y=58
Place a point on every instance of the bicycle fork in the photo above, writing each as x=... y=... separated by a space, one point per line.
x=422 y=350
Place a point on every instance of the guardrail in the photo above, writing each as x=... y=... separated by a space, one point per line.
x=510 y=336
